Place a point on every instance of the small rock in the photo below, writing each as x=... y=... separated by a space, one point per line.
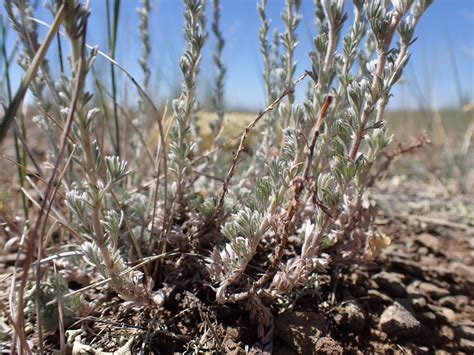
x=350 y=314
x=356 y=279
x=396 y=320
x=426 y=289
x=232 y=332
x=444 y=314
x=446 y=333
x=427 y=318
x=430 y=241
x=379 y=297
x=326 y=345
x=462 y=270
x=465 y=331
x=441 y=272
x=232 y=346
x=454 y=302
x=415 y=349
x=408 y=266
x=300 y=330
x=423 y=251
x=466 y=345
x=391 y=282
x=471 y=243
x=421 y=349
x=418 y=302
x=380 y=335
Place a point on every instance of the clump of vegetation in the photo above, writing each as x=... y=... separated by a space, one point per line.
x=296 y=202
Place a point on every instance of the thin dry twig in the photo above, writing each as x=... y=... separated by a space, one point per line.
x=310 y=148
x=420 y=142
x=437 y=222
x=62 y=342
x=212 y=328
x=235 y=159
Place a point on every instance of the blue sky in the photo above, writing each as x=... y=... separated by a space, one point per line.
x=445 y=35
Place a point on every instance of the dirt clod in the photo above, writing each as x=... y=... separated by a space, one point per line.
x=427 y=289
x=397 y=321
x=326 y=345
x=391 y=283
x=351 y=315
x=300 y=330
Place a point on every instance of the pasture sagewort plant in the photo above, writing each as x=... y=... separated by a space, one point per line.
x=315 y=184
x=98 y=212
x=306 y=178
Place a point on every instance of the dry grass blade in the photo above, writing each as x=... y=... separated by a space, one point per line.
x=30 y=74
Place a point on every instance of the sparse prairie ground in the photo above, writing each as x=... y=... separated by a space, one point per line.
x=416 y=297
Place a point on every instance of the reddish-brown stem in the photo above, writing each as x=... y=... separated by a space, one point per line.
x=235 y=159
x=378 y=74
x=298 y=184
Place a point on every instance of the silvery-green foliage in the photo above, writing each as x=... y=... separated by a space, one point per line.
x=93 y=202
x=278 y=74
x=289 y=148
x=291 y=19
x=93 y=256
x=277 y=171
x=116 y=169
x=265 y=49
x=244 y=224
x=144 y=15
x=19 y=13
x=75 y=22
x=242 y=235
x=263 y=191
x=307 y=175
x=378 y=140
x=181 y=139
x=79 y=203
x=54 y=286
x=139 y=121
x=271 y=80
x=204 y=205
x=128 y=285
x=356 y=82
x=319 y=16
x=248 y=225
x=218 y=90
x=112 y=223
